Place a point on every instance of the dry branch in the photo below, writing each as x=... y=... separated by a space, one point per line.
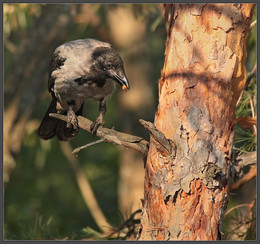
x=76 y=150
x=248 y=80
x=246 y=178
x=246 y=159
x=248 y=205
x=85 y=189
x=252 y=25
x=110 y=135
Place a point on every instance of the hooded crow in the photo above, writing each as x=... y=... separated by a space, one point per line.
x=80 y=69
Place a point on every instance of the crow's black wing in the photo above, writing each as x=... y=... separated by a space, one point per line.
x=56 y=62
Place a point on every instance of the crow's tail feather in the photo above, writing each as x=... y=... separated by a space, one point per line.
x=50 y=127
x=47 y=128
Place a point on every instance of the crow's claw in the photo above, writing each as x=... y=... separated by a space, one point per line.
x=94 y=126
x=72 y=119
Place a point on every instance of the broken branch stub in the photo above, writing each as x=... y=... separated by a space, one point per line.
x=165 y=145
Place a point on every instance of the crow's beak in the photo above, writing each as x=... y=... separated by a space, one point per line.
x=122 y=80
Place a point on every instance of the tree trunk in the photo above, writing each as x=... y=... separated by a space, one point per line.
x=203 y=75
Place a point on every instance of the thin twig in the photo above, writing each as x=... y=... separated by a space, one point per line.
x=110 y=135
x=240 y=150
x=247 y=158
x=125 y=229
x=249 y=205
x=252 y=25
x=249 y=78
x=85 y=188
x=87 y=145
x=252 y=109
x=251 y=105
x=246 y=178
x=10 y=45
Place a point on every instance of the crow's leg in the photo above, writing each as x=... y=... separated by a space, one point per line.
x=72 y=118
x=99 y=121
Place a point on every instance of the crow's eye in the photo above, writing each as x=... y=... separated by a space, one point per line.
x=109 y=65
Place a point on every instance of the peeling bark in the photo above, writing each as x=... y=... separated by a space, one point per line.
x=202 y=78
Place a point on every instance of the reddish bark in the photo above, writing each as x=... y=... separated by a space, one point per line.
x=204 y=73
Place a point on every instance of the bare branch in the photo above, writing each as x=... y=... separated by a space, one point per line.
x=127 y=228
x=158 y=136
x=85 y=188
x=248 y=158
x=246 y=178
x=249 y=205
x=252 y=25
x=76 y=150
x=248 y=80
x=110 y=135
x=252 y=109
x=250 y=76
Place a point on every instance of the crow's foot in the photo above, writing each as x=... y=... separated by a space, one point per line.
x=72 y=119
x=99 y=122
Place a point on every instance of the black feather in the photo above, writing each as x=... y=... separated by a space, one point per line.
x=47 y=128
x=56 y=63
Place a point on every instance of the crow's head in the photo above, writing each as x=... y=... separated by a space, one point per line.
x=109 y=63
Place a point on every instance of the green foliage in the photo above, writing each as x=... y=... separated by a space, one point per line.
x=245 y=140
x=91 y=234
x=19 y=16
x=39 y=229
